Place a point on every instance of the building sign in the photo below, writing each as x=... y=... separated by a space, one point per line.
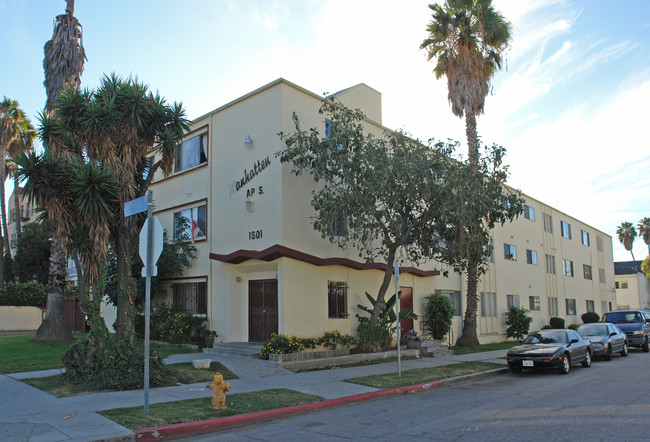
x=249 y=174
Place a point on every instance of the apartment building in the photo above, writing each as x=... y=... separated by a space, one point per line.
x=261 y=268
x=632 y=286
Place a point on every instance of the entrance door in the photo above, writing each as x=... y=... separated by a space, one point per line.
x=262 y=309
x=406 y=302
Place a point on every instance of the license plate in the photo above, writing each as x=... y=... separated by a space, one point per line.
x=527 y=363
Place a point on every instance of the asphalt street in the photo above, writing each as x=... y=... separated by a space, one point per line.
x=609 y=401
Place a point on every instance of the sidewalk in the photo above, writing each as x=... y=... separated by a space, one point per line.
x=28 y=414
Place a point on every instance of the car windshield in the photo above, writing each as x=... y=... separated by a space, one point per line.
x=546 y=337
x=592 y=330
x=622 y=317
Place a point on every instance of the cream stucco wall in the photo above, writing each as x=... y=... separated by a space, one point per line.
x=280 y=216
x=20 y=318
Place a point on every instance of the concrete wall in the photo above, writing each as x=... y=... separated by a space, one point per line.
x=20 y=318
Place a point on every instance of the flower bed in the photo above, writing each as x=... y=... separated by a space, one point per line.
x=307 y=355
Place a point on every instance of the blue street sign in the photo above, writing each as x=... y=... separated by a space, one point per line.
x=136 y=206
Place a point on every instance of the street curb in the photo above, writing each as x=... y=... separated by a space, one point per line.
x=208 y=426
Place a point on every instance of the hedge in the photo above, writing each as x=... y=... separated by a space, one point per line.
x=31 y=294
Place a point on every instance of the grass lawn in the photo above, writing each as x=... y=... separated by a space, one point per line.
x=23 y=352
x=190 y=410
x=185 y=374
x=421 y=375
x=356 y=364
x=484 y=347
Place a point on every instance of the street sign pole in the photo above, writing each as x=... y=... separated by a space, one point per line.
x=147 y=300
x=399 y=338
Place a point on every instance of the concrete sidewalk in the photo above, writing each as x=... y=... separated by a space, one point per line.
x=28 y=414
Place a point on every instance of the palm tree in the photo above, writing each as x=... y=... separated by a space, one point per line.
x=644 y=231
x=63 y=64
x=626 y=235
x=468 y=39
x=16 y=135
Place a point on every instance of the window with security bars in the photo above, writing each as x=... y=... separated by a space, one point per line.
x=337 y=299
x=190 y=296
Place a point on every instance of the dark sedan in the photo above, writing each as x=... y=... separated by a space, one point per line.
x=559 y=348
x=606 y=339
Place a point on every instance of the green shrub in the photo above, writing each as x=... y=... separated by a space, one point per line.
x=556 y=322
x=517 y=322
x=374 y=339
x=380 y=336
x=574 y=326
x=546 y=327
x=176 y=327
x=438 y=314
x=32 y=294
x=590 y=317
x=285 y=344
x=332 y=339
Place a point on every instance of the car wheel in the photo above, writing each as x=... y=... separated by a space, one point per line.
x=645 y=347
x=565 y=366
x=515 y=368
x=608 y=356
x=625 y=351
x=587 y=362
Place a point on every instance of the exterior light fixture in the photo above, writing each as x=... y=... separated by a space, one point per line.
x=248 y=141
x=249 y=205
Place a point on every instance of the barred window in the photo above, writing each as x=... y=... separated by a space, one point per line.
x=337 y=299
x=190 y=296
x=340 y=225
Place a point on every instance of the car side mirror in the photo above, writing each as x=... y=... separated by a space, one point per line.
x=573 y=341
x=612 y=334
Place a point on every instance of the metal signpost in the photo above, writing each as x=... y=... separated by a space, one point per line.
x=151 y=243
x=399 y=359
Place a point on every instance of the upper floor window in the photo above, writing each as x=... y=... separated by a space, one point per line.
x=510 y=252
x=565 y=229
x=191 y=152
x=340 y=225
x=601 y=276
x=586 y=270
x=547 y=223
x=190 y=224
x=567 y=267
x=585 y=238
x=599 y=243
x=529 y=212
x=550 y=264
x=531 y=257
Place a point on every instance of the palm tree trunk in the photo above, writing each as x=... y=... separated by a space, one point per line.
x=5 y=232
x=472 y=137
x=54 y=327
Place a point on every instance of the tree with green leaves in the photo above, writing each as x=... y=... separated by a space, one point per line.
x=32 y=253
x=626 y=235
x=377 y=194
x=468 y=38
x=644 y=231
x=517 y=322
x=16 y=135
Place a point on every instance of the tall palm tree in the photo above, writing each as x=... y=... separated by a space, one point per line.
x=468 y=38
x=16 y=135
x=644 y=231
x=626 y=235
x=63 y=63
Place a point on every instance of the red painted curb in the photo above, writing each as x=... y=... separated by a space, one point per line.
x=207 y=426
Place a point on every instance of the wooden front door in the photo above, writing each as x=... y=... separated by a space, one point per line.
x=406 y=302
x=262 y=309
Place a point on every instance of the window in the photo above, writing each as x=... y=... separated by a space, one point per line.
x=333 y=132
x=603 y=306
x=570 y=306
x=12 y=215
x=552 y=307
x=531 y=257
x=590 y=306
x=510 y=252
x=190 y=296
x=191 y=152
x=599 y=243
x=547 y=223
x=488 y=305
x=586 y=270
x=454 y=297
x=565 y=229
x=616 y=285
x=534 y=303
x=340 y=226
x=529 y=212
x=513 y=301
x=337 y=299
x=601 y=276
x=585 y=238
x=550 y=264
x=184 y=220
x=567 y=267
x=489 y=251
x=623 y=284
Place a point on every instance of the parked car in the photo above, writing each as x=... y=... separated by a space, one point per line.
x=634 y=323
x=605 y=337
x=559 y=348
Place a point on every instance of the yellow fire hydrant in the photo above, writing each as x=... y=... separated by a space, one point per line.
x=219 y=388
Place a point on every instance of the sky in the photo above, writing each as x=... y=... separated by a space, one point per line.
x=570 y=106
